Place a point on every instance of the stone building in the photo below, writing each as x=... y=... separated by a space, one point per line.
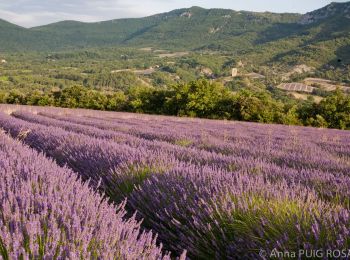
x=234 y=72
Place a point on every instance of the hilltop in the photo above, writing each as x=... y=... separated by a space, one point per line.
x=191 y=28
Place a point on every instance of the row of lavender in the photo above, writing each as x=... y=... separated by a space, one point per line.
x=229 y=200
x=172 y=129
x=47 y=213
x=295 y=150
x=157 y=156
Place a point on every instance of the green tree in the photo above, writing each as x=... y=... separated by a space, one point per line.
x=291 y=117
x=117 y=101
x=318 y=121
x=198 y=98
x=92 y=99
x=34 y=97
x=70 y=96
x=257 y=107
x=335 y=109
x=16 y=97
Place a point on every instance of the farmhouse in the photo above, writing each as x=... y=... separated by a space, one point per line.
x=234 y=72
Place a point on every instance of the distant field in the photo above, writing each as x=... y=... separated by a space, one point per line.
x=171 y=55
x=305 y=96
x=296 y=87
x=327 y=85
x=209 y=189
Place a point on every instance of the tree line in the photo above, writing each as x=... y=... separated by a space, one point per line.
x=200 y=98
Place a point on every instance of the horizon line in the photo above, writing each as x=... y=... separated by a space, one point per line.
x=146 y=16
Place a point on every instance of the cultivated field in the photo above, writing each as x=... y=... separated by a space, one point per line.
x=296 y=87
x=71 y=181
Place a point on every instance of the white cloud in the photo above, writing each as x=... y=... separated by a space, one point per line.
x=29 y=13
x=38 y=18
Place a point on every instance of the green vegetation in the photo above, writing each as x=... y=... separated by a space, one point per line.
x=179 y=29
x=199 y=99
x=180 y=63
x=259 y=38
x=333 y=111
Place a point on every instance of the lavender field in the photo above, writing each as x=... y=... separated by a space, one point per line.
x=82 y=184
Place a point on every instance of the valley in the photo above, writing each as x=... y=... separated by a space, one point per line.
x=291 y=61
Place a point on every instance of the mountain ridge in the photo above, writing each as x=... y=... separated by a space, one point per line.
x=192 y=28
x=332 y=4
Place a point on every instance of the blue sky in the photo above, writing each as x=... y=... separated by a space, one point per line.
x=30 y=13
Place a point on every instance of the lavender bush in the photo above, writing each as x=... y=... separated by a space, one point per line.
x=47 y=213
x=221 y=190
x=215 y=214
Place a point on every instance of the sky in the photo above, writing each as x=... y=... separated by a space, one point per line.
x=29 y=13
